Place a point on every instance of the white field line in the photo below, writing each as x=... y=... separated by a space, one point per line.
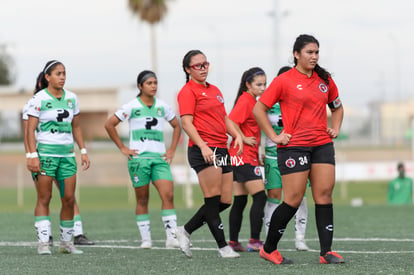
x=117 y=244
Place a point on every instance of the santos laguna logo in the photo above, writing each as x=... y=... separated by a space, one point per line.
x=220 y=161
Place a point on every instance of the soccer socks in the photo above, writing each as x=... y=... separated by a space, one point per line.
x=77 y=226
x=143 y=224
x=324 y=223
x=280 y=218
x=236 y=216
x=270 y=207
x=169 y=219
x=213 y=219
x=256 y=214
x=198 y=219
x=43 y=228
x=301 y=220
x=66 y=230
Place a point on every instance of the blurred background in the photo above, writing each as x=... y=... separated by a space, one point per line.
x=104 y=44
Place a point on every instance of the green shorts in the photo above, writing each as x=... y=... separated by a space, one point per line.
x=144 y=170
x=59 y=168
x=272 y=174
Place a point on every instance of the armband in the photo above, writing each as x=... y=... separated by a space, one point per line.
x=335 y=104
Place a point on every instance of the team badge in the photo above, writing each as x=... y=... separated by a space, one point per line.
x=136 y=179
x=323 y=88
x=337 y=102
x=257 y=171
x=159 y=112
x=290 y=163
x=220 y=99
x=70 y=104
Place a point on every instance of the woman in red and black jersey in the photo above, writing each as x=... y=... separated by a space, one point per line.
x=205 y=121
x=305 y=147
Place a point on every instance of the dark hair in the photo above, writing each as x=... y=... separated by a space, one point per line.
x=283 y=70
x=41 y=81
x=248 y=76
x=301 y=41
x=187 y=60
x=143 y=76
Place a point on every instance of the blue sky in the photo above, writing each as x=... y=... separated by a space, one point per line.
x=367 y=45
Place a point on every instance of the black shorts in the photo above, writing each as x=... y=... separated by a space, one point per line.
x=196 y=160
x=298 y=159
x=247 y=172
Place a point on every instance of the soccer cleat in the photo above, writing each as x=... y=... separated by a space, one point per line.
x=172 y=243
x=236 y=246
x=146 y=244
x=68 y=248
x=274 y=257
x=301 y=245
x=82 y=240
x=227 y=252
x=254 y=245
x=183 y=240
x=331 y=258
x=44 y=249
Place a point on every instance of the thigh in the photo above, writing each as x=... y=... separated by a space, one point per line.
x=239 y=189
x=294 y=187
x=210 y=180
x=322 y=178
x=226 y=187
x=165 y=188
x=68 y=188
x=254 y=186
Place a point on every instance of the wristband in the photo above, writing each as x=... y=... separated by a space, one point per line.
x=83 y=151
x=28 y=155
x=34 y=155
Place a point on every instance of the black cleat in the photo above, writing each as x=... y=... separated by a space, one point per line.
x=82 y=240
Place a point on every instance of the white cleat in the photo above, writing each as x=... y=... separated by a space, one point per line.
x=227 y=252
x=44 y=249
x=184 y=241
x=146 y=244
x=68 y=248
x=172 y=243
x=301 y=245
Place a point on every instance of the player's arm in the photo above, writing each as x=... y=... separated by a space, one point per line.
x=33 y=163
x=336 y=121
x=234 y=130
x=169 y=155
x=77 y=135
x=110 y=127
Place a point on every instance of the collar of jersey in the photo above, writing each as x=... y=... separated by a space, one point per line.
x=60 y=99
x=142 y=103
x=193 y=83
x=301 y=75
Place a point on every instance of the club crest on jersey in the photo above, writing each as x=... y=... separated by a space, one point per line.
x=159 y=112
x=323 y=88
x=257 y=171
x=220 y=99
x=290 y=163
x=70 y=104
x=136 y=179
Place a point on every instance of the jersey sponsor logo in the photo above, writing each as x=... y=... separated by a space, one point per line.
x=150 y=122
x=290 y=163
x=236 y=160
x=220 y=99
x=49 y=105
x=61 y=115
x=299 y=87
x=323 y=88
x=257 y=171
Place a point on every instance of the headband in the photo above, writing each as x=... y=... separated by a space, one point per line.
x=50 y=65
x=146 y=76
x=255 y=74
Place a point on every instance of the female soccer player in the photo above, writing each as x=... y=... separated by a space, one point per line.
x=147 y=158
x=53 y=114
x=247 y=173
x=205 y=121
x=305 y=147
x=273 y=182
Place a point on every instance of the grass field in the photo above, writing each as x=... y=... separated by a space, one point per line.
x=374 y=238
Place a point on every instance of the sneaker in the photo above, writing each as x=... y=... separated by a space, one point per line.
x=331 y=258
x=44 y=249
x=172 y=243
x=227 y=252
x=183 y=240
x=274 y=257
x=146 y=244
x=301 y=245
x=68 y=248
x=236 y=246
x=82 y=240
x=50 y=241
x=254 y=245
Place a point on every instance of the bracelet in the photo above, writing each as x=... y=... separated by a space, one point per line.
x=83 y=151
x=28 y=155
x=34 y=155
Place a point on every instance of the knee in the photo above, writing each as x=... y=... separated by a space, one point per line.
x=142 y=200
x=44 y=199
x=260 y=198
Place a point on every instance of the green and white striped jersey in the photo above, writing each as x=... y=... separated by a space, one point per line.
x=275 y=119
x=54 y=129
x=146 y=125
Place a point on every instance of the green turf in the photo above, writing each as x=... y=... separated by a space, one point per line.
x=374 y=238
